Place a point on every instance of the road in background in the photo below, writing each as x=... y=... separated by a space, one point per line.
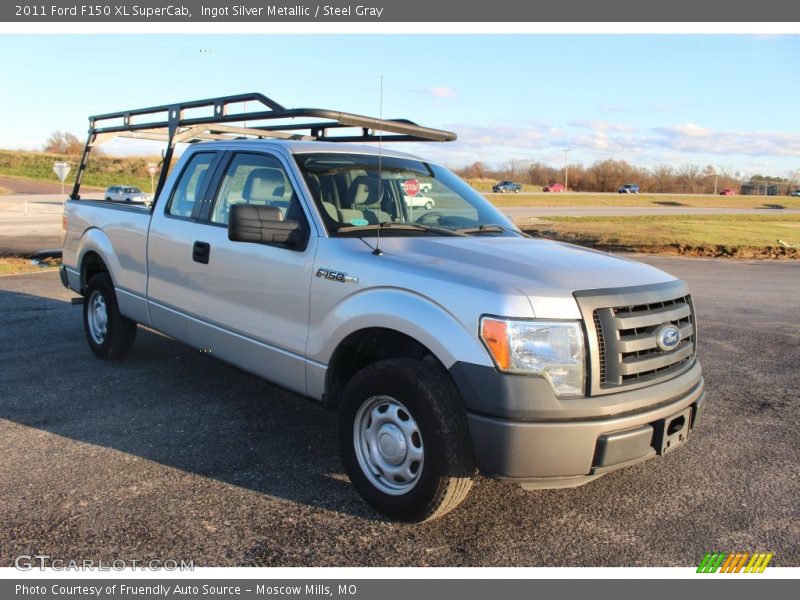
x=32 y=222
x=174 y=454
x=521 y=214
x=30 y=186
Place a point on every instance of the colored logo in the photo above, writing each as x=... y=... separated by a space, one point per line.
x=740 y=562
x=667 y=337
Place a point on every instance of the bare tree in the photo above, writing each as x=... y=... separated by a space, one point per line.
x=63 y=142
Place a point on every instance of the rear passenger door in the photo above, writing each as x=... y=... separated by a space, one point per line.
x=169 y=246
x=253 y=299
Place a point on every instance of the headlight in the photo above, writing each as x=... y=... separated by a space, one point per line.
x=552 y=349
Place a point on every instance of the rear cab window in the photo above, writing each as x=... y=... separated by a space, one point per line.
x=193 y=180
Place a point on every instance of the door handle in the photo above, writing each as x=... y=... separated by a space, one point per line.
x=200 y=252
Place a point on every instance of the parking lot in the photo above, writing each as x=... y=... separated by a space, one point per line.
x=172 y=454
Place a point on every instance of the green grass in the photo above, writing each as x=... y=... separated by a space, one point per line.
x=745 y=235
x=11 y=265
x=102 y=171
x=643 y=200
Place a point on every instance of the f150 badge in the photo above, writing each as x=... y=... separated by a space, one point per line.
x=336 y=275
x=668 y=337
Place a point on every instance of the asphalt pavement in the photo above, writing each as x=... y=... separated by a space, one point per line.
x=172 y=454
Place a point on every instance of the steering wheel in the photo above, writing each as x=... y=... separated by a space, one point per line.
x=428 y=215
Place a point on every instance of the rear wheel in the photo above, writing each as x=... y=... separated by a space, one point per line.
x=428 y=205
x=109 y=333
x=404 y=439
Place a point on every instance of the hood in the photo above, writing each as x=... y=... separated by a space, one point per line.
x=545 y=271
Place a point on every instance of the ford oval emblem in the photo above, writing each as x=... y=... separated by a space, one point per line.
x=667 y=337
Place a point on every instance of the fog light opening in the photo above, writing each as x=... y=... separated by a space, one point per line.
x=676 y=425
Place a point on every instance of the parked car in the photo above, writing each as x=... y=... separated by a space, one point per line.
x=419 y=201
x=506 y=186
x=629 y=188
x=728 y=192
x=796 y=193
x=448 y=341
x=554 y=187
x=126 y=193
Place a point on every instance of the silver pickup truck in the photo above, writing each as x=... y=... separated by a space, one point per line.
x=448 y=341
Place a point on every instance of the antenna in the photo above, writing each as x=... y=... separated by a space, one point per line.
x=378 y=251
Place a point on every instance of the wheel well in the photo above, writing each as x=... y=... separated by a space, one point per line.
x=91 y=265
x=365 y=347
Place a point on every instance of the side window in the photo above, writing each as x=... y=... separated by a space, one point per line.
x=256 y=179
x=190 y=184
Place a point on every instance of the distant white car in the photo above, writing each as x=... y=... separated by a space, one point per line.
x=419 y=201
x=126 y=193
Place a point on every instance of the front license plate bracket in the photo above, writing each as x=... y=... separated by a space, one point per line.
x=675 y=430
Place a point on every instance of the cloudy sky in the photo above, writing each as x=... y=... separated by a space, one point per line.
x=726 y=100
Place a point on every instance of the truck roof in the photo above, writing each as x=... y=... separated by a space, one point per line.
x=307 y=147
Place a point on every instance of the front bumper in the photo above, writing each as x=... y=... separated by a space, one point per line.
x=571 y=450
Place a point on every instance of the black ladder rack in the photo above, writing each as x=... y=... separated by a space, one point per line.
x=186 y=122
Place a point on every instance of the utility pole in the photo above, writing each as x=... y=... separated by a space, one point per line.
x=566 y=170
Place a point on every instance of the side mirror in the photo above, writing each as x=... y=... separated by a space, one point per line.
x=260 y=224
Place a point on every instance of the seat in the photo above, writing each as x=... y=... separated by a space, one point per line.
x=363 y=197
x=263 y=186
x=316 y=194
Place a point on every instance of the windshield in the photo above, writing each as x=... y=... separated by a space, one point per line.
x=357 y=194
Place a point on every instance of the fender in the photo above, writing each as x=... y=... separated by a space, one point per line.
x=129 y=279
x=392 y=308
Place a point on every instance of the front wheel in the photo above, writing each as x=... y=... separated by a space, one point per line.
x=110 y=334
x=404 y=439
x=428 y=205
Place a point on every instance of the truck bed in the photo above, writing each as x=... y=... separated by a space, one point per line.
x=118 y=229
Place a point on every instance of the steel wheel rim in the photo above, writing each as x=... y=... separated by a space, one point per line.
x=388 y=445
x=97 y=317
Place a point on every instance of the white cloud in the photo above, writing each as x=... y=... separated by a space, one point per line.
x=442 y=91
x=593 y=140
x=686 y=129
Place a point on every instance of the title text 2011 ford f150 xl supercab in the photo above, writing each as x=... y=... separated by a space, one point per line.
x=448 y=341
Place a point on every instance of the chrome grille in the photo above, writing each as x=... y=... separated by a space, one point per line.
x=622 y=327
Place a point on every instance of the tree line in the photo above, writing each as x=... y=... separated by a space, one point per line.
x=609 y=175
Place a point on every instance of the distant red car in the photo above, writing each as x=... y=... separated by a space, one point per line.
x=727 y=192
x=553 y=187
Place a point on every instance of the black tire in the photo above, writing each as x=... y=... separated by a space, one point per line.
x=120 y=332
x=516 y=191
x=428 y=205
x=448 y=466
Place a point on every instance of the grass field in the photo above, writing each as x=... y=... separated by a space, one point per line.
x=102 y=171
x=10 y=265
x=748 y=236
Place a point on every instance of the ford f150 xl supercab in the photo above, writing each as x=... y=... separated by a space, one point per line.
x=448 y=341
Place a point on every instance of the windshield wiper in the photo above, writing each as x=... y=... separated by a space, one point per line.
x=489 y=228
x=401 y=226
